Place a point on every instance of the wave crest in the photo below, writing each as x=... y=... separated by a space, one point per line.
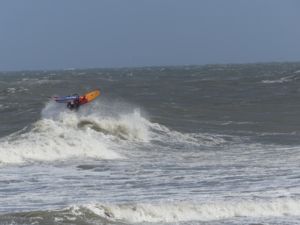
x=62 y=134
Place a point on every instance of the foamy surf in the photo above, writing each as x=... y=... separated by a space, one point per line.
x=93 y=132
x=188 y=211
x=61 y=135
x=103 y=130
x=163 y=213
x=222 y=150
x=280 y=80
x=195 y=140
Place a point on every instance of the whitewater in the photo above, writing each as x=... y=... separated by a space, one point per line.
x=216 y=144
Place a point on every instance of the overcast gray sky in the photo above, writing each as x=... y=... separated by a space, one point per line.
x=57 y=34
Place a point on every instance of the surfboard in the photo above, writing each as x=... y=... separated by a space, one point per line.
x=88 y=97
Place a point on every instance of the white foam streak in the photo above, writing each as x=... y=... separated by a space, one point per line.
x=166 y=135
x=185 y=211
x=280 y=80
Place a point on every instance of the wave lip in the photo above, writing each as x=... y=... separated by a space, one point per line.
x=131 y=127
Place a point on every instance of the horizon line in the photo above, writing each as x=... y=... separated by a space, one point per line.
x=146 y=66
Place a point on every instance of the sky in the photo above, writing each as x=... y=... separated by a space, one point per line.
x=60 y=34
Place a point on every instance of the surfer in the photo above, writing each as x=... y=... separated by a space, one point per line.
x=75 y=101
x=74 y=104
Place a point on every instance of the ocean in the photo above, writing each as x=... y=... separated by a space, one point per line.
x=211 y=144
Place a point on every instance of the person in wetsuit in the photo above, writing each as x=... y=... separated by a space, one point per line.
x=74 y=104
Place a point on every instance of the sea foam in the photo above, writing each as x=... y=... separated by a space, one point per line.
x=61 y=135
x=188 y=211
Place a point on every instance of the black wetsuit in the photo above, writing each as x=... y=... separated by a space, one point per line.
x=74 y=104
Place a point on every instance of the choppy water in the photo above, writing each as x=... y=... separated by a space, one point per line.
x=216 y=144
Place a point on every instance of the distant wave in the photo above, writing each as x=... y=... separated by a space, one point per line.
x=38 y=81
x=280 y=80
x=13 y=90
x=3 y=106
x=24 y=84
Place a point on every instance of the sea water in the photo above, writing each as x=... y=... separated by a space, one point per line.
x=214 y=144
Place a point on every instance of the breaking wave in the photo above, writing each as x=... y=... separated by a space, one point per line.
x=95 y=132
x=64 y=135
x=168 y=212
x=280 y=80
x=187 y=211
